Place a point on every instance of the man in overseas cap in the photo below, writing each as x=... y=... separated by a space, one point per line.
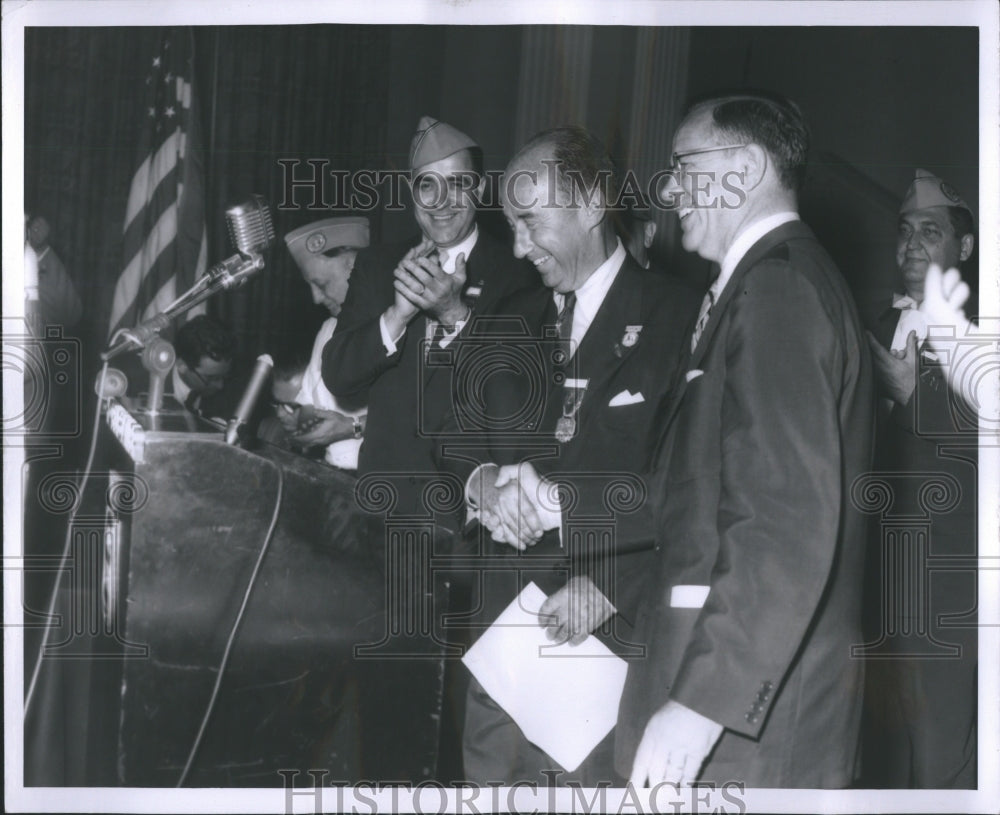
x=408 y=298
x=921 y=728
x=325 y=251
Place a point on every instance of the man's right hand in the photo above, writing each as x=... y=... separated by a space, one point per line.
x=505 y=510
x=402 y=310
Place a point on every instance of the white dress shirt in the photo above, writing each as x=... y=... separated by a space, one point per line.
x=744 y=241
x=591 y=294
x=312 y=391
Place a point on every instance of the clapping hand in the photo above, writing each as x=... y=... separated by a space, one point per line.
x=424 y=285
x=944 y=295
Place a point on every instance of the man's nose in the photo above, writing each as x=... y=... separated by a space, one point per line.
x=522 y=243
x=671 y=189
x=317 y=295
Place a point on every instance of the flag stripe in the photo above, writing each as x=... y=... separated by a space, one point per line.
x=161 y=199
x=150 y=173
x=164 y=244
x=129 y=293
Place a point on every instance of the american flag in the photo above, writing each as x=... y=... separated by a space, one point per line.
x=164 y=232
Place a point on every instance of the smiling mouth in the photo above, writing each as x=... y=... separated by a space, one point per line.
x=539 y=261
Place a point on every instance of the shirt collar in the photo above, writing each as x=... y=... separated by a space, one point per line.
x=902 y=301
x=744 y=241
x=466 y=246
x=591 y=294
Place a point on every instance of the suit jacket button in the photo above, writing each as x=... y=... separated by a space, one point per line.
x=748 y=717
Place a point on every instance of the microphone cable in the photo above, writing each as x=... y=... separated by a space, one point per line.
x=69 y=540
x=236 y=624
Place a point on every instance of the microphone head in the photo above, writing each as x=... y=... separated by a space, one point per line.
x=115 y=384
x=250 y=227
x=158 y=356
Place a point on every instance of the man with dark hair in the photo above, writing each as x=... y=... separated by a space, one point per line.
x=622 y=327
x=921 y=703
x=205 y=352
x=406 y=299
x=754 y=600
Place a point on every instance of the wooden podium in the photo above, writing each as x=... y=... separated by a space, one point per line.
x=183 y=519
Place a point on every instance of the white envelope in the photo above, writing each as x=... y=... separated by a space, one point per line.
x=563 y=697
x=626 y=398
x=694 y=373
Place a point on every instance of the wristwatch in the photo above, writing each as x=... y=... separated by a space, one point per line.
x=359 y=427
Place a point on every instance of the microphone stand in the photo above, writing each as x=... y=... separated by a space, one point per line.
x=230 y=274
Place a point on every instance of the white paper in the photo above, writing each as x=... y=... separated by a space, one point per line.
x=563 y=697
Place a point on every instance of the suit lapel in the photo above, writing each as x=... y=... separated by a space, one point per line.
x=756 y=252
x=602 y=351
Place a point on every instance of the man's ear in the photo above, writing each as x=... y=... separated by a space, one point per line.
x=968 y=244
x=648 y=233
x=755 y=165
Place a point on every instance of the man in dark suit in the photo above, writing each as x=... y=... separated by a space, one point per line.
x=755 y=600
x=921 y=701
x=404 y=300
x=606 y=334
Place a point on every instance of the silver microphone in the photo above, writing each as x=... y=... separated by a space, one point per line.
x=252 y=233
x=250 y=396
x=250 y=226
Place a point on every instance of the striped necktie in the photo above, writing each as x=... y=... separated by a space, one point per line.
x=564 y=323
x=703 y=315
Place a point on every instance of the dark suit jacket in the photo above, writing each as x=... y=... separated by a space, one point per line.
x=407 y=393
x=601 y=466
x=932 y=438
x=764 y=438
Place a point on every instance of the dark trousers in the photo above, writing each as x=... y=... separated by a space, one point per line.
x=495 y=751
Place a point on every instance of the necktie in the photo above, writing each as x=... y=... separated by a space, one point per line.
x=703 y=315
x=564 y=324
x=436 y=331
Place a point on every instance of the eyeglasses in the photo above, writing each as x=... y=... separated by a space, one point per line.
x=676 y=158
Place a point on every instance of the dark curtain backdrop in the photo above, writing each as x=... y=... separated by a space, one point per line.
x=352 y=95
x=264 y=94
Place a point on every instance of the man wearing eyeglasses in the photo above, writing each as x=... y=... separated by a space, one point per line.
x=754 y=600
x=757 y=600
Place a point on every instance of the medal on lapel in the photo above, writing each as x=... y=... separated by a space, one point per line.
x=629 y=338
x=573 y=391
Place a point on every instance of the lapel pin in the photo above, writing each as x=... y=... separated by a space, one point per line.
x=629 y=338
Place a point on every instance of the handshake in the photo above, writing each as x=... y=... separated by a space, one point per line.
x=518 y=506
x=514 y=503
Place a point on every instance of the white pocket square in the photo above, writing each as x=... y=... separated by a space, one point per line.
x=626 y=398
x=688 y=596
x=694 y=373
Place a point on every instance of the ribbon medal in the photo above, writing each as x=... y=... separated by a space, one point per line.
x=573 y=391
